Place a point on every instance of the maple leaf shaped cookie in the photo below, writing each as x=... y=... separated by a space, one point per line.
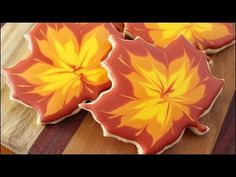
x=63 y=69
x=211 y=37
x=156 y=93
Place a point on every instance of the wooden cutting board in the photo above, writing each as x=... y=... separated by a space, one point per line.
x=80 y=133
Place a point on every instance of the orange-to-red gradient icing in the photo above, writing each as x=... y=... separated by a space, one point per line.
x=202 y=35
x=63 y=69
x=156 y=93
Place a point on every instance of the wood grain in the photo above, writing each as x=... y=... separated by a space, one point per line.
x=226 y=141
x=5 y=150
x=54 y=138
x=89 y=139
x=19 y=127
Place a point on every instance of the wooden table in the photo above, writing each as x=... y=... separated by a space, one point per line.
x=80 y=134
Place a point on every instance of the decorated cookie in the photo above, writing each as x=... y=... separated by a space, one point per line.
x=156 y=93
x=63 y=68
x=211 y=37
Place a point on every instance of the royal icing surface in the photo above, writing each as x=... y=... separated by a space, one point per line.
x=63 y=68
x=202 y=35
x=156 y=93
